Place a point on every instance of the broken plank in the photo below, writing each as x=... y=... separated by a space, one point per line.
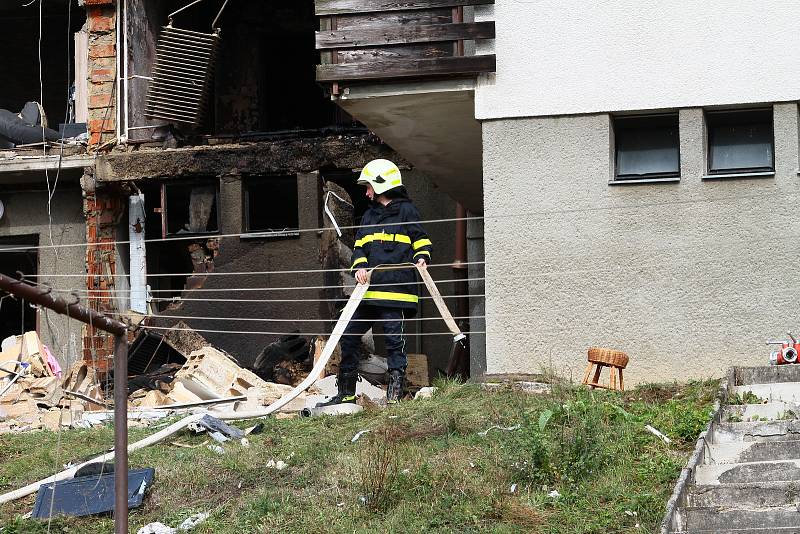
x=340 y=7
x=404 y=34
x=406 y=68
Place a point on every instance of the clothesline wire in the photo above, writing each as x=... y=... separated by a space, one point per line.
x=273 y=320
x=252 y=273
x=181 y=299
x=528 y=214
x=261 y=333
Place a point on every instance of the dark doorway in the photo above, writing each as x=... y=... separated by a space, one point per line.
x=16 y=316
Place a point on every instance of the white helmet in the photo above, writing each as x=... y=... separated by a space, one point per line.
x=382 y=175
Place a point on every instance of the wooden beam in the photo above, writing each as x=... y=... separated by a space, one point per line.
x=404 y=34
x=343 y=7
x=405 y=68
x=40 y=163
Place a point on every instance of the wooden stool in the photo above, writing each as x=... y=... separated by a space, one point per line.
x=614 y=359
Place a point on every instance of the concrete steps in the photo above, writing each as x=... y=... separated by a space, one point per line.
x=745 y=474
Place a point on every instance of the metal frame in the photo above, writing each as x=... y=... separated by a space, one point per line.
x=710 y=141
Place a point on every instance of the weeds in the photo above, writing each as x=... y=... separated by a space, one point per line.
x=378 y=466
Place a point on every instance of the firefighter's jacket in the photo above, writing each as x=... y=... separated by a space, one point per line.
x=391 y=235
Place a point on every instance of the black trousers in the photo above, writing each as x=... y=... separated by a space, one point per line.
x=392 y=321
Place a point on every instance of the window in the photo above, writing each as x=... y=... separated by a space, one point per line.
x=271 y=205
x=191 y=208
x=646 y=146
x=740 y=141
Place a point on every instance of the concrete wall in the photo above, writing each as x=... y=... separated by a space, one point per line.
x=556 y=57
x=688 y=278
x=26 y=214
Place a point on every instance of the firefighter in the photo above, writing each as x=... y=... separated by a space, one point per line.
x=390 y=234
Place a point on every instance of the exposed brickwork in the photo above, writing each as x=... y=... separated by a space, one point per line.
x=102 y=212
x=102 y=70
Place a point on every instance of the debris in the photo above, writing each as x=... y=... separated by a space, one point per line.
x=218 y=430
x=358 y=435
x=187 y=446
x=95 y=469
x=256 y=429
x=417 y=373
x=280 y=465
x=151 y=351
x=156 y=528
x=327 y=387
x=89 y=495
x=554 y=494
x=514 y=488
x=154 y=398
x=335 y=409
x=426 y=392
x=210 y=374
x=506 y=429
x=82 y=379
x=657 y=433
x=190 y=522
x=215 y=448
x=284 y=415
x=290 y=348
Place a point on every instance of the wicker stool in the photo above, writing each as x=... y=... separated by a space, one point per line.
x=613 y=359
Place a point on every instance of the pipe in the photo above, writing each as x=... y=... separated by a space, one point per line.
x=121 y=434
x=43 y=297
x=118 y=106
x=125 y=96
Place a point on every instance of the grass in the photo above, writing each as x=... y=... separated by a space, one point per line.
x=423 y=466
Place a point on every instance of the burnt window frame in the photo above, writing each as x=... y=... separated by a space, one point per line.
x=617 y=125
x=709 y=117
x=247 y=231
x=190 y=182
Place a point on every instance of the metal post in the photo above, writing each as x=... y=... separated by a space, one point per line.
x=120 y=434
x=42 y=296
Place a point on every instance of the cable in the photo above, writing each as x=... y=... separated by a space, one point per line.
x=227 y=289
x=181 y=299
x=253 y=273
x=272 y=320
x=530 y=214
x=242 y=332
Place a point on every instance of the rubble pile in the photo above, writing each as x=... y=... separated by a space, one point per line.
x=168 y=375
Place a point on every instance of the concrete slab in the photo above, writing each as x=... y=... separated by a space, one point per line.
x=771 y=471
x=779 y=391
x=769 y=431
x=752 y=451
x=748 y=494
x=754 y=412
x=736 y=519
x=766 y=375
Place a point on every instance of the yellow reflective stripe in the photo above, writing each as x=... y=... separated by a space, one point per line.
x=386 y=295
x=422 y=252
x=396 y=182
x=422 y=243
x=359 y=260
x=391 y=171
x=400 y=238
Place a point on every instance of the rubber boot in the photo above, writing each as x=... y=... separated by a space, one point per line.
x=397 y=385
x=346 y=383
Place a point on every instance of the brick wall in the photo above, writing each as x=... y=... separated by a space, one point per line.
x=102 y=212
x=101 y=16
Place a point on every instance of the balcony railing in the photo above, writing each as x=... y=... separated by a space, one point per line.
x=377 y=40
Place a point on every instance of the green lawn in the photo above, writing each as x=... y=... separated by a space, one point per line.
x=424 y=466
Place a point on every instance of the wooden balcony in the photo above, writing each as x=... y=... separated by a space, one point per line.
x=383 y=40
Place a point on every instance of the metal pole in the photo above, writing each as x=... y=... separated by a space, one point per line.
x=43 y=297
x=120 y=434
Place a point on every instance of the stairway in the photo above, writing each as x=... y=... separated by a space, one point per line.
x=744 y=477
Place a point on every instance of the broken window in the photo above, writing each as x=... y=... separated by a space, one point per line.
x=191 y=208
x=264 y=76
x=16 y=316
x=270 y=204
x=61 y=24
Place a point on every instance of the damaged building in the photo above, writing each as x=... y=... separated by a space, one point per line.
x=199 y=149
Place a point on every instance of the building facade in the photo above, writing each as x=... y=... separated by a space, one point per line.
x=638 y=164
